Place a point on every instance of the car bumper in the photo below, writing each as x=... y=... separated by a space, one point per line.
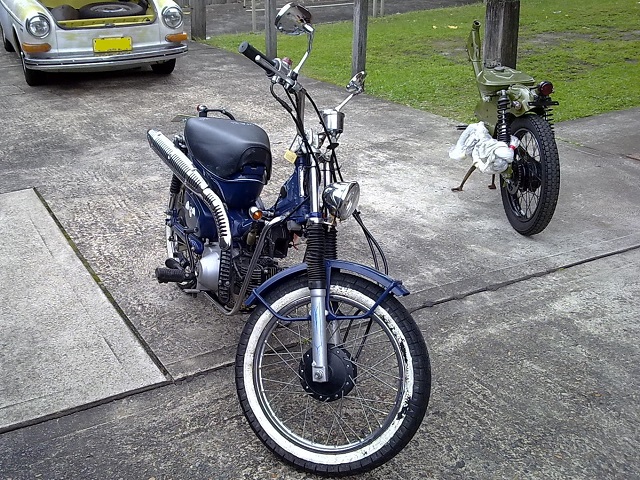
x=105 y=61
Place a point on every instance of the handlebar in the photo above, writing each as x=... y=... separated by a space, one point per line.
x=273 y=66
x=253 y=54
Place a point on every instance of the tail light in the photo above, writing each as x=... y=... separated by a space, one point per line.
x=545 y=88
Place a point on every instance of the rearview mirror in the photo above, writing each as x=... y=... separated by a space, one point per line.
x=294 y=19
x=356 y=84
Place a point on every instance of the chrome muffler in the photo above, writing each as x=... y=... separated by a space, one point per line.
x=184 y=169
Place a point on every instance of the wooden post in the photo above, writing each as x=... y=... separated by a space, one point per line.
x=270 y=28
x=502 y=21
x=254 y=22
x=375 y=8
x=382 y=8
x=359 y=49
x=198 y=19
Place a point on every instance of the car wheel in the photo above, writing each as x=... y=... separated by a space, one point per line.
x=32 y=77
x=110 y=9
x=164 y=68
x=7 y=44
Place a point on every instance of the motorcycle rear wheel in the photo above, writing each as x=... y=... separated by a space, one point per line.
x=530 y=194
x=380 y=379
x=176 y=247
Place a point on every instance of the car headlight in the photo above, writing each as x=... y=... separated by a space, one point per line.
x=172 y=17
x=38 y=26
x=342 y=198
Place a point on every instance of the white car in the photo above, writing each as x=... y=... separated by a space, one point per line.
x=66 y=35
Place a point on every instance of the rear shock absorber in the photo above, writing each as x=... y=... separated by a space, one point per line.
x=548 y=115
x=175 y=185
x=502 y=127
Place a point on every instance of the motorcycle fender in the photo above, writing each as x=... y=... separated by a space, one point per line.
x=386 y=282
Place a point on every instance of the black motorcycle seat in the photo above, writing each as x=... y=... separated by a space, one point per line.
x=226 y=147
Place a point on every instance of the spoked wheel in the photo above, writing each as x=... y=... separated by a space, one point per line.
x=177 y=249
x=530 y=193
x=378 y=388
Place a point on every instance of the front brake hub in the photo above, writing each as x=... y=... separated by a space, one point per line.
x=342 y=375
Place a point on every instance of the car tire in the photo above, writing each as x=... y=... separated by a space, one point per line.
x=6 y=43
x=33 y=78
x=164 y=68
x=111 y=9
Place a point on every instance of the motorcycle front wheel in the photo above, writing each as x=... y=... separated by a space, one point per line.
x=379 y=378
x=530 y=193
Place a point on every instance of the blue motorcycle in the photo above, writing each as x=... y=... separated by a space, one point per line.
x=332 y=373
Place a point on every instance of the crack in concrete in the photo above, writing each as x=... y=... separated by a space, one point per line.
x=496 y=286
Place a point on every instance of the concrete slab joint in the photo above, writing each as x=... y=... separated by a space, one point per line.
x=62 y=343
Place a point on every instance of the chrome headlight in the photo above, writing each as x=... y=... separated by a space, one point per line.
x=342 y=198
x=38 y=26
x=172 y=17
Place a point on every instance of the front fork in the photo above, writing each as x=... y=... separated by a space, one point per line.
x=320 y=338
x=315 y=257
x=319 y=335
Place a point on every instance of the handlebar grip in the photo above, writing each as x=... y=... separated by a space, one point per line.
x=251 y=53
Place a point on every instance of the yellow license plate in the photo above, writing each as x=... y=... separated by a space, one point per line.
x=114 y=44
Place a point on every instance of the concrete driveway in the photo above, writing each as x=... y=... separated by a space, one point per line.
x=533 y=340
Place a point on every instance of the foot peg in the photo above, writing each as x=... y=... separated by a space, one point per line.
x=177 y=275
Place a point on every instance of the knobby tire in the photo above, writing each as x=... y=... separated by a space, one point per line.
x=529 y=209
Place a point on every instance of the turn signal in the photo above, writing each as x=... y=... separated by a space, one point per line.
x=176 y=37
x=255 y=213
x=36 y=47
x=545 y=88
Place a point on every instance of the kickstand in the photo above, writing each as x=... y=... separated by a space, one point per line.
x=493 y=182
x=466 y=177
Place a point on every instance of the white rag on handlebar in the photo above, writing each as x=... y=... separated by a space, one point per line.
x=489 y=155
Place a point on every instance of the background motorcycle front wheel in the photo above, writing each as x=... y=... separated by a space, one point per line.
x=530 y=194
x=380 y=379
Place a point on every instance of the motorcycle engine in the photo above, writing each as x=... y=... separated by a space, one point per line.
x=208 y=268
x=221 y=272
x=265 y=269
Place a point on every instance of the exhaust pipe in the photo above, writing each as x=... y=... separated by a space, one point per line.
x=184 y=169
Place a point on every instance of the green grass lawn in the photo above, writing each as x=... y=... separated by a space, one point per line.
x=589 y=49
